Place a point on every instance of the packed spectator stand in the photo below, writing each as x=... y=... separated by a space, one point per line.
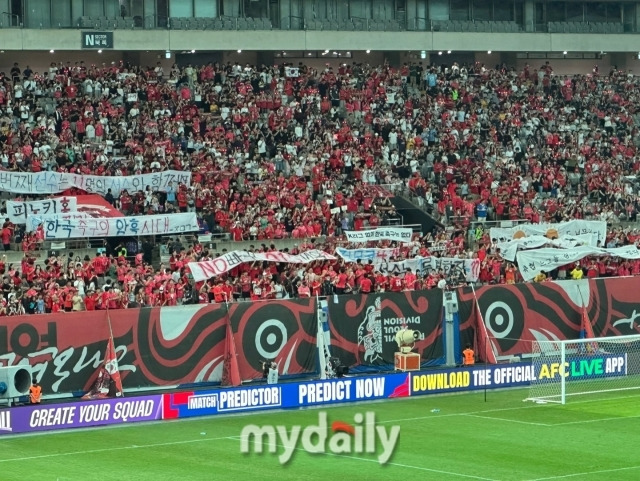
x=279 y=153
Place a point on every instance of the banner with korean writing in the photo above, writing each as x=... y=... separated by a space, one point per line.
x=202 y=271
x=56 y=182
x=401 y=234
x=64 y=227
x=453 y=268
x=532 y=262
x=552 y=231
x=367 y=254
x=509 y=249
x=17 y=211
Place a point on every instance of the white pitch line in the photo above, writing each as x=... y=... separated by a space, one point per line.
x=586 y=473
x=507 y=420
x=595 y=420
x=106 y=450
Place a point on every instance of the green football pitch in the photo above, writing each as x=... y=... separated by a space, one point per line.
x=502 y=438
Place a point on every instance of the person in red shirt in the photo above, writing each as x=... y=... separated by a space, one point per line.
x=365 y=284
x=396 y=283
x=7 y=233
x=90 y=301
x=410 y=279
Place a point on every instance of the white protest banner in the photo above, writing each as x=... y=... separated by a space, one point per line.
x=204 y=270
x=55 y=182
x=509 y=249
x=571 y=228
x=401 y=234
x=59 y=227
x=532 y=262
x=367 y=254
x=18 y=211
x=451 y=266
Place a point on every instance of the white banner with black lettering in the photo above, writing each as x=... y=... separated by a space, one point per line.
x=452 y=267
x=401 y=234
x=55 y=182
x=18 y=211
x=69 y=226
x=509 y=249
x=570 y=228
x=204 y=270
x=532 y=262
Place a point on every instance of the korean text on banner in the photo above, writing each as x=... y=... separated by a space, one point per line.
x=571 y=228
x=17 y=211
x=401 y=234
x=532 y=262
x=202 y=271
x=59 y=227
x=56 y=182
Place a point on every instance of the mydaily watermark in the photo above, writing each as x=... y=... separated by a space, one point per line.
x=363 y=436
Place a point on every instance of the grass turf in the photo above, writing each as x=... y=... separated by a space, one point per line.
x=593 y=437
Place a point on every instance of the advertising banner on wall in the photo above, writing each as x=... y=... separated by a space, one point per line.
x=288 y=395
x=363 y=327
x=154 y=346
x=165 y=346
x=47 y=417
x=283 y=332
x=518 y=315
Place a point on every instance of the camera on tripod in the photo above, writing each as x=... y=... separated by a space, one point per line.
x=335 y=368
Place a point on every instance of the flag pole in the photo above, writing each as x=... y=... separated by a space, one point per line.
x=486 y=338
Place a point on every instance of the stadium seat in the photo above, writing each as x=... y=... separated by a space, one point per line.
x=85 y=22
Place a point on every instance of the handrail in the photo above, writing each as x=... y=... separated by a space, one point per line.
x=416 y=25
x=301 y=25
x=11 y=16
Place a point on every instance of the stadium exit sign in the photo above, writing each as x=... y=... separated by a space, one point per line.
x=98 y=40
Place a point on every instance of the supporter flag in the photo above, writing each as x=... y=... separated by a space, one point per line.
x=484 y=346
x=586 y=332
x=230 y=369
x=108 y=383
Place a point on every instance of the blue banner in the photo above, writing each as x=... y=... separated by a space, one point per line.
x=288 y=395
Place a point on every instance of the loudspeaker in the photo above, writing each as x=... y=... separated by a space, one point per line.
x=15 y=381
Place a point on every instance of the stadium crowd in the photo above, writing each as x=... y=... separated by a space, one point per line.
x=298 y=152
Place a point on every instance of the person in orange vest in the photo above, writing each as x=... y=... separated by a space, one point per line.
x=35 y=392
x=468 y=356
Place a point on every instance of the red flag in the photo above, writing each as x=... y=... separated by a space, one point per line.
x=109 y=383
x=586 y=332
x=230 y=369
x=484 y=346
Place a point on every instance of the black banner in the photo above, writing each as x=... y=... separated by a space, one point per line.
x=363 y=327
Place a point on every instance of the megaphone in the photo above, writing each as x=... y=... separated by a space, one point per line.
x=406 y=338
x=15 y=381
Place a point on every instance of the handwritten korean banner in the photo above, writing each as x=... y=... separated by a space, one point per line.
x=402 y=234
x=532 y=262
x=509 y=249
x=55 y=182
x=202 y=271
x=367 y=254
x=560 y=229
x=70 y=226
x=17 y=211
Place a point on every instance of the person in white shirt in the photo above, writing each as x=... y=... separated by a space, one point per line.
x=90 y=132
